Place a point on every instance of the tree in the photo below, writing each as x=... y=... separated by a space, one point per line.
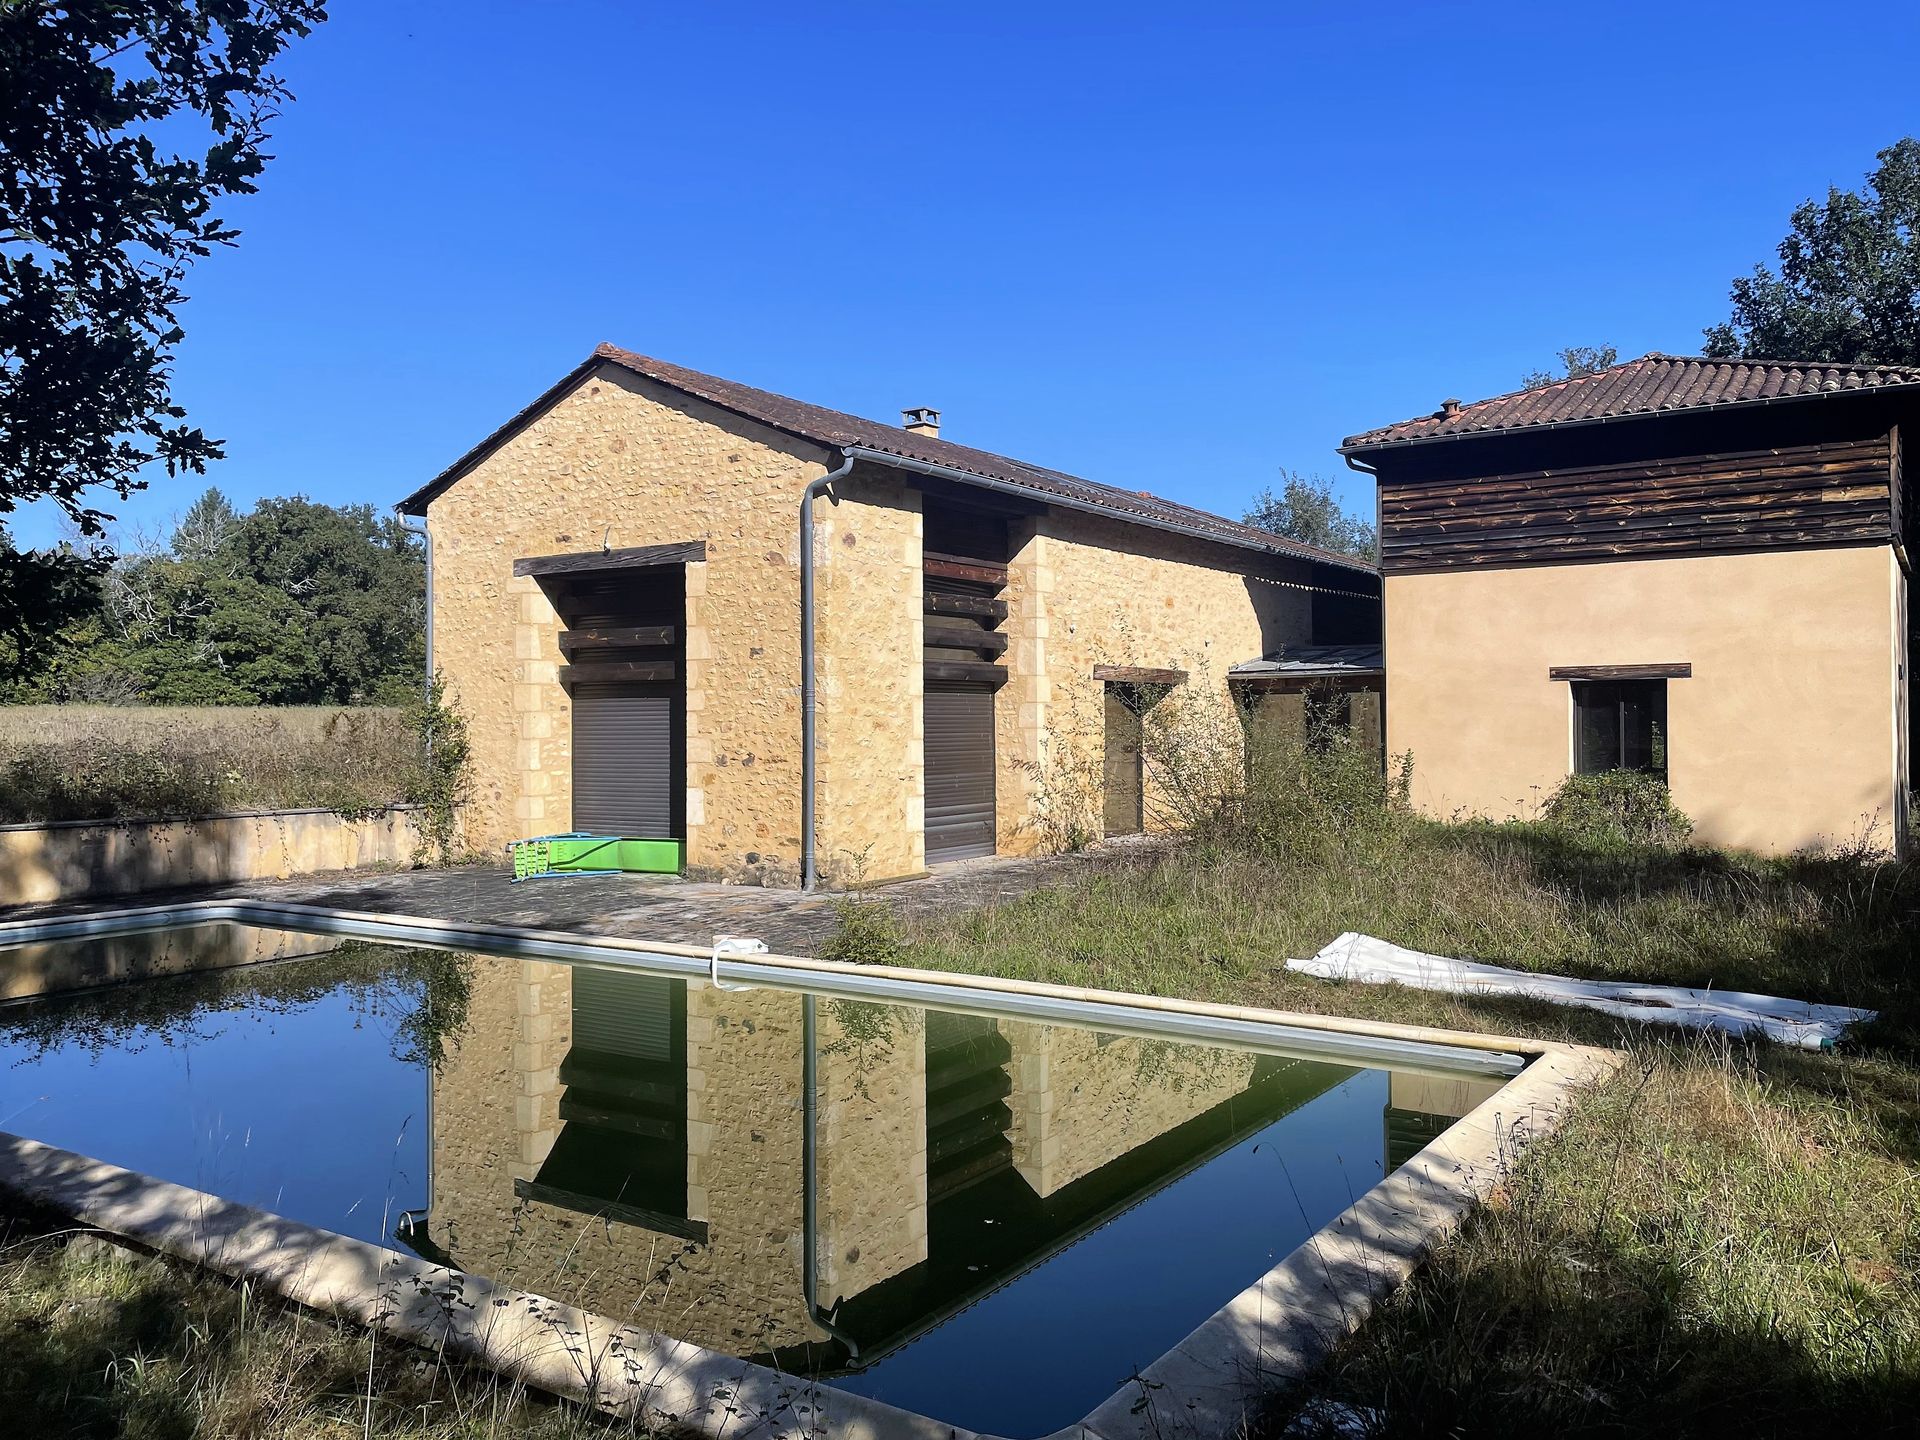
x=292 y=604
x=100 y=222
x=1575 y=360
x=1306 y=510
x=1848 y=287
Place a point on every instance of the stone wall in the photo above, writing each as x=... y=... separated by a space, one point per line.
x=1087 y=591
x=79 y=860
x=621 y=461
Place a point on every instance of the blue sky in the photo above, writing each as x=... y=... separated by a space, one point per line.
x=1174 y=248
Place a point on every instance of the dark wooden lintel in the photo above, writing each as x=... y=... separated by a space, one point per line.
x=605 y=637
x=617 y=671
x=970 y=672
x=1139 y=675
x=962 y=567
x=1678 y=670
x=965 y=637
x=680 y=553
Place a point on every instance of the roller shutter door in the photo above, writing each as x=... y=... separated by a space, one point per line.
x=623 y=760
x=959 y=751
x=627 y=1015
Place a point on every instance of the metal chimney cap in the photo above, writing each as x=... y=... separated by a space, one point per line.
x=921 y=420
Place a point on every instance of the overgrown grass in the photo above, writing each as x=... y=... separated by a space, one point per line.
x=96 y=1342
x=97 y=762
x=1718 y=1242
x=1725 y=1238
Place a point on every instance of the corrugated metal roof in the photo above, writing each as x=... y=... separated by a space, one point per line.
x=1308 y=660
x=834 y=428
x=1653 y=384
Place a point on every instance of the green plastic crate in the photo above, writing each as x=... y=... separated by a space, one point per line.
x=579 y=854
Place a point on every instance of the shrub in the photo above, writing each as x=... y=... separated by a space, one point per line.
x=1269 y=786
x=1616 y=807
x=442 y=775
x=867 y=933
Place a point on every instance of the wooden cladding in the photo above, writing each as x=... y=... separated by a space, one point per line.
x=964 y=637
x=965 y=672
x=981 y=607
x=605 y=637
x=963 y=570
x=1680 y=670
x=620 y=672
x=959 y=567
x=1827 y=494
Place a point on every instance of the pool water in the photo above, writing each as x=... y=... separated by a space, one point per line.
x=992 y=1221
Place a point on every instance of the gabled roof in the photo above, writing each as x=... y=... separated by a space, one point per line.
x=1653 y=384
x=835 y=429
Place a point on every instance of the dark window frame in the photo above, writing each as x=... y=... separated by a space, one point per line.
x=1633 y=703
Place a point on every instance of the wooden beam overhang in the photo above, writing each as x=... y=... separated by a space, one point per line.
x=1139 y=675
x=680 y=553
x=1679 y=670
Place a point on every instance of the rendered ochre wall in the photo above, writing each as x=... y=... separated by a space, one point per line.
x=619 y=461
x=1784 y=737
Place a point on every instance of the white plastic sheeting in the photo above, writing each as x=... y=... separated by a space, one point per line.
x=1791 y=1022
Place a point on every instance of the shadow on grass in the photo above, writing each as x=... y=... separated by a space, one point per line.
x=1570 y=1338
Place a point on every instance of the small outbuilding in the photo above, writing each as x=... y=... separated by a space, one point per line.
x=622 y=602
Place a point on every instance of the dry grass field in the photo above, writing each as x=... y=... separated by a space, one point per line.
x=90 y=762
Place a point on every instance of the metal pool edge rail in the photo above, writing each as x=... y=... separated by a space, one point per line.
x=1319 y=1037
x=1276 y=1330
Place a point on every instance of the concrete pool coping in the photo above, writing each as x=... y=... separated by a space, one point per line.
x=1277 y=1329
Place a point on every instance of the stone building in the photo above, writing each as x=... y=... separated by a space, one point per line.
x=617 y=601
x=1699 y=568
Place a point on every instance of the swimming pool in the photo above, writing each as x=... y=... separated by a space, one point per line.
x=990 y=1212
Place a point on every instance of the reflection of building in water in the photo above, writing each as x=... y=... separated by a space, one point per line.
x=1419 y=1107
x=635 y=1144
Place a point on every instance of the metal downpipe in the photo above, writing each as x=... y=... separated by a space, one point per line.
x=426 y=538
x=809 y=699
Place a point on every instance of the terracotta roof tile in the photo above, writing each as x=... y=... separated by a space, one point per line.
x=1652 y=384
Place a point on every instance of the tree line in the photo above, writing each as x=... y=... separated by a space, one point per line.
x=290 y=603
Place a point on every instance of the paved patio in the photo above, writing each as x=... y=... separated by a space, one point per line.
x=636 y=906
